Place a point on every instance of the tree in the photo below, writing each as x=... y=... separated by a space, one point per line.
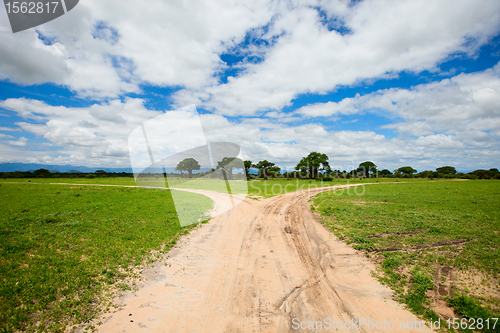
x=313 y=163
x=407 y=170
x=263 y=166
x=367 y=168
x=188 y=164
x=100 y=172
x=483 y=174
x=248 y=165
x=385 y=172
x=41 y=172
x=273 y=171
x=426 y=174
x=447 y=170
x=230 y=163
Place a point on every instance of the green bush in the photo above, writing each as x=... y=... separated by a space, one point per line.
x=325 y=179
x=392 y=262
x=468 y=308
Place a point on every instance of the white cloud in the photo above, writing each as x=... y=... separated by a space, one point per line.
x=6 y=136
x=386 y=37
x=22 y=141
x=328 y=109
x=92 y=135
x=9 y=129
x=26 y=60
x=106 y=48
x=439 y=141
x=466 y=106
x=285 y=145
x=416 y=128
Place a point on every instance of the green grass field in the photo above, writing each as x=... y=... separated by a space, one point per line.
x=399 y=217
x=62 y=247
x=258 y=187
x=272 y=187
x=65 y=248
x=97 y=180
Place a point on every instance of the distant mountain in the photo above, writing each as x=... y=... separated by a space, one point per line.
x=12 y=167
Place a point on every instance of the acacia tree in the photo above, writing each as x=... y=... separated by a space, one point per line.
x=247 y=164
x=230 y=163
x=273 y=171
x=407 y=170
x=188 y=164
x=447 y=170
x=313 y=163
x=367 y=168
x=263 y=166
x=385 y=172
x=41 y=172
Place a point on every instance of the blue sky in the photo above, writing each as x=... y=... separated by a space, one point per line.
x=395 y=82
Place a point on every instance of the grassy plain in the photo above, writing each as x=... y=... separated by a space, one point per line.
x=257 y=187
x=63 y=247
x=97 y=180
x=400 y=226
x=273 y=187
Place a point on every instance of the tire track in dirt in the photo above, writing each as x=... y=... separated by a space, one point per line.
x=254 y=269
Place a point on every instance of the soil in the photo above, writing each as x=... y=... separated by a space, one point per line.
x=254 y=268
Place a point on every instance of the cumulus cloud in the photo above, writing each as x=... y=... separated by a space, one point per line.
x=107 y=48
x=439 y=141
x=9 y=129
x=466 y=106
x=95 y=134
x=26 y=60
x=286 y=144
x=344 y=107
x=379 y=40
x=416 y=128
x=22 y=141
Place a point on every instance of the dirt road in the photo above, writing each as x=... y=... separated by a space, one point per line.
x=266 y=266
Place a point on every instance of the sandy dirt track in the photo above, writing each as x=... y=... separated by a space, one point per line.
x=254 y=269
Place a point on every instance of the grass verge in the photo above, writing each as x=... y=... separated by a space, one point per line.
x=62 y=248
x=437 y=243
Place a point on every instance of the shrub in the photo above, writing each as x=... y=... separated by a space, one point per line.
x=392 y=262
x=467 y=307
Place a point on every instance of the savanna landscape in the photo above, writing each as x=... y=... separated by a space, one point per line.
x=267 y=166
x=71 y=246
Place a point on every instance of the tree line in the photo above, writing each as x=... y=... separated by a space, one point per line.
x=313 y=166
x=316 y=166
x=44 y=173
